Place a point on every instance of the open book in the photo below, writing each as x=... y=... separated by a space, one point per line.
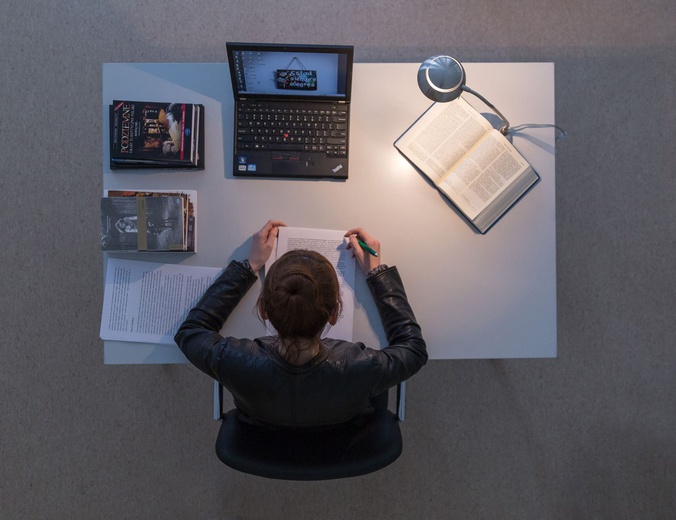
x=332 y=244
x=468 y=161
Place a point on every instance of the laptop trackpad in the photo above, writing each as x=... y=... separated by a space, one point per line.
x=285 y=167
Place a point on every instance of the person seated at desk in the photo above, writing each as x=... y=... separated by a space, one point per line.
x=296 y=379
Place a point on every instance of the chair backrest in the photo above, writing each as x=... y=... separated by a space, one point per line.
x=348 y=451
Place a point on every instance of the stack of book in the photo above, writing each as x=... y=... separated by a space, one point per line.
x=156 y=135
x=155 y=221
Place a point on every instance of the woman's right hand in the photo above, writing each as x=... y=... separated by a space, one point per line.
x=366 y=260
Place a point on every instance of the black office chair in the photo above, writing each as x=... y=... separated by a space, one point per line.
x=280 y=454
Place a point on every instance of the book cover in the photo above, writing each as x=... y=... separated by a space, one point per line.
x=154 y=134
x=188 y=217
x=140 y=223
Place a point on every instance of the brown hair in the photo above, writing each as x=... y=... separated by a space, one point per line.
x=299 y=295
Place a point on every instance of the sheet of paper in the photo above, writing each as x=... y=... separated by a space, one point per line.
x=146 y=302
x=332 y=244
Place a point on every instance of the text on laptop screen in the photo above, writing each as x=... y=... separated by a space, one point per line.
x=280 y=73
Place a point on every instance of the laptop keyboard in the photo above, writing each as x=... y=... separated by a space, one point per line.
x=301 y=127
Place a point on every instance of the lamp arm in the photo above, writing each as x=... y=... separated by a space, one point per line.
x=505 y=128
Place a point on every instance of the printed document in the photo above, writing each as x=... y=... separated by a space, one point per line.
x=146 y=302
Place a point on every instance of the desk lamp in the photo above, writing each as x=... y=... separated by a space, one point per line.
x=442 y=79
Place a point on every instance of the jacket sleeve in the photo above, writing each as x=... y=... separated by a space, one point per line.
x=406 y=352
x=199 y=337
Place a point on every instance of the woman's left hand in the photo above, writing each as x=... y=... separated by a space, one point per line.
x=262 y=243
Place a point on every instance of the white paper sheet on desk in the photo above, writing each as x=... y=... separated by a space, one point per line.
x=332 y=244
x=146 y=302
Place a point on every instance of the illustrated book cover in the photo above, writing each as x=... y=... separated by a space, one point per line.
x=156 y=135
x=159 y=221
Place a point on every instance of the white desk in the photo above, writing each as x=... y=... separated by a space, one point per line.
x=490 y=296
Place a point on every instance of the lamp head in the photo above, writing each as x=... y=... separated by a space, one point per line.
x=441 y=78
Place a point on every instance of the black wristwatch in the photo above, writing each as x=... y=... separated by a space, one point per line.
x=377 y=269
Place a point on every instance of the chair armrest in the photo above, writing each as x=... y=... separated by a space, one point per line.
x=401 y=401
x=218 y=400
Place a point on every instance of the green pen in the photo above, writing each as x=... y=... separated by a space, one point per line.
x=367 y=248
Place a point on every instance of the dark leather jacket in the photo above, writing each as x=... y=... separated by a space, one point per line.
x=331 y=389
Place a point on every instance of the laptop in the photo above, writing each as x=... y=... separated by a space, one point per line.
x=292 y=109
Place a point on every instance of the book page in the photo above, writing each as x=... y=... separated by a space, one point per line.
x=442 y=136
x=146 y=302
x=483 y=175
x=332 y=244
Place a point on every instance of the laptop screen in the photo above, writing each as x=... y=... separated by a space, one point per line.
x=293 y=71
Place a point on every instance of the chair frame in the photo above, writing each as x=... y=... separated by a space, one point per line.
x=349 y=451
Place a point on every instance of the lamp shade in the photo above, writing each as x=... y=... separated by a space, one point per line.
x=441 y=78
